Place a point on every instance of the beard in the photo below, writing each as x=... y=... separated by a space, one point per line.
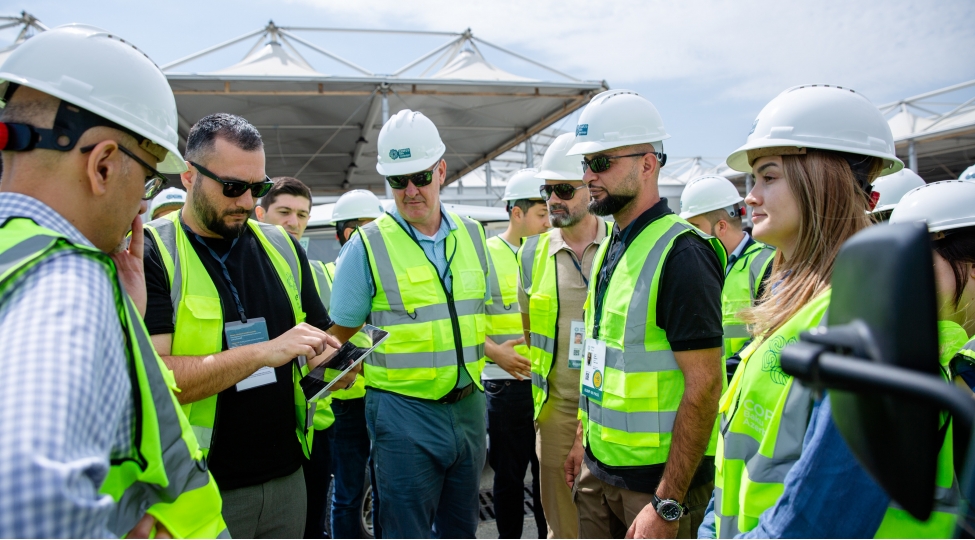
x=212 y=219
x=610 y=204
x=567 y=219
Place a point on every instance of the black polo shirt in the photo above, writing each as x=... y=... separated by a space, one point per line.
x=688 y=310
x=254 y=436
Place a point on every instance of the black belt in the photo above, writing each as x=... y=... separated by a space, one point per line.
x=457 y=394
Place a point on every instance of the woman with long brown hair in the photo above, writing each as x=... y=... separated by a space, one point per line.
x=782 y=468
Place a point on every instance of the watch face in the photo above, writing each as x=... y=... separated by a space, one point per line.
x=669 y=510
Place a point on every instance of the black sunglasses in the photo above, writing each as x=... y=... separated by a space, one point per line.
x=236 y=188
x=600 y=164
x=420 y=179
x=562 y=191
x=154 y=180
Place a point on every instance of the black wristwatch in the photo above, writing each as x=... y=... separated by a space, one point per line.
x=669 y=509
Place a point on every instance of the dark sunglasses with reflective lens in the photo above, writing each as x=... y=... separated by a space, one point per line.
x=420 y=179
x=562 y=191
x=236 y=188
x=600 y=164
x=154 y=180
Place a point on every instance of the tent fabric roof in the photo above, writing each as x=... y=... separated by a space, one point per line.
x=322 y=128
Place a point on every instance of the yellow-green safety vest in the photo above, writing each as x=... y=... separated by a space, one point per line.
x=764 y=417
x=741 y=284
x=324 y=417
x=166 y=474
x=540 y=281
x=503 y=315
x=198 y=312
x=642 y=385
x=431 y=331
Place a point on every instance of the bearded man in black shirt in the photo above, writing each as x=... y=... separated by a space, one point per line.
x=234 y=313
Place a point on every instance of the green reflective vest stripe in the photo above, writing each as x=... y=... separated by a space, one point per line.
x=431 y=332
x=198 y=312
x=741 y=285
x=165 y=474
x=324 y=274
x=899 y=523
x=324 y=417
x=503 y=315
x=540 y=281
x=764 y=415
x=642 y=385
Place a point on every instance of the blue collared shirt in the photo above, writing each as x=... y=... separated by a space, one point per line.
x=65 y=393
x=827 y=493
x=353 y=287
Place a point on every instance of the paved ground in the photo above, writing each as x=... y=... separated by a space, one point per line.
x=489 y=529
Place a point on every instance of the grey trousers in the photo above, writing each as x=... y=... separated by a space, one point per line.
x=274 y=509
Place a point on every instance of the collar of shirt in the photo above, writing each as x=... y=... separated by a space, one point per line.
x=446 y=225
x=14 y=205
x=557 y=243
x=741 y=247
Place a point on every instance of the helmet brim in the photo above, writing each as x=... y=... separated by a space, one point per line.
x=738 y=160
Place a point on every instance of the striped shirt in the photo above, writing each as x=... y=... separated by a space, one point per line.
x=65 y=392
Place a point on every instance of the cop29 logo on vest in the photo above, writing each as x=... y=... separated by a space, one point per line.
x=771 y=359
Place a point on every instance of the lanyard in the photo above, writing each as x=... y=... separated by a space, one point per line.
x=449 y=260
x=606 y=274
x=223 y=266
x=579 y=268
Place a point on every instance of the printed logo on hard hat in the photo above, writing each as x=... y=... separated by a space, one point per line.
x=173 y=196
x=754 y=124
x=582 y=130
x=399 y=154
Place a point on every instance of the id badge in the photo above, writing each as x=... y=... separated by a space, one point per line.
x=594 y=369
x=577 y=344
x=240 y=334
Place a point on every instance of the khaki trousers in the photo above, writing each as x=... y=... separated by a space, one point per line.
x=607 y=511
x=555 y=431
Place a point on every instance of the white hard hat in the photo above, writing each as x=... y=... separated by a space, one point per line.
x=523 y=184
x=357 y=204
x=101 y=73
x=408 y=143
x=706 y=193
x=616 y=118
x=968 y=174
x=822 y=117
x=893 y=186
x=167 y=197
x=556 y=165
x=945 y=205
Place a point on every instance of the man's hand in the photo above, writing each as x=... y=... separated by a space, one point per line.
x=504 y=355
x=131 y=271
x=649 y=524
x=302 y=340
x=144 y=527
x=573 y=462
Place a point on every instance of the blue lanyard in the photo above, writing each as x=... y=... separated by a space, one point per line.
x=579 y=268
x=450 y=259
x=223 y=266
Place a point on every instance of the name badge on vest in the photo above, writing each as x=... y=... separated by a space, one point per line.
x=594 y=370
x=248 y=333
x=577 y=344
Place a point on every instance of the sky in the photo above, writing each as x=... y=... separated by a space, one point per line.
x=709 y=66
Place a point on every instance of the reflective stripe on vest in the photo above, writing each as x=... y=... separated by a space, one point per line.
x=503 y=315
x=198 y=309
x=430 y=330
x=764 y=415
x=740 y=289
x=165 y=474
x=642 y=384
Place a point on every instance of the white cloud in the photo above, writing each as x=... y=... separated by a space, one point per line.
x=751 y=48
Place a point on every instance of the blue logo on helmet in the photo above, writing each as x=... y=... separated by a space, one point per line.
x=582 y=130
x=402 y=153
x=393 y=154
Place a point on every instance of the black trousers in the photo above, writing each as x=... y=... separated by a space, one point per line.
x=511 y=432
x=318 y=476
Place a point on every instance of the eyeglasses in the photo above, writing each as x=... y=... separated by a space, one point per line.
x=420 y=179
x=236 y=188
x=154 y=180
x=562 y=191
x=600 y=164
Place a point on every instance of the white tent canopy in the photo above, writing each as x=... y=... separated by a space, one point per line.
x=322 y=127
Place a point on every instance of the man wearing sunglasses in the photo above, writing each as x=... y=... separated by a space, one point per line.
x=234 y=312
x=649 y=398
x=555 y=269
x=91 y=436
x=422 y=274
